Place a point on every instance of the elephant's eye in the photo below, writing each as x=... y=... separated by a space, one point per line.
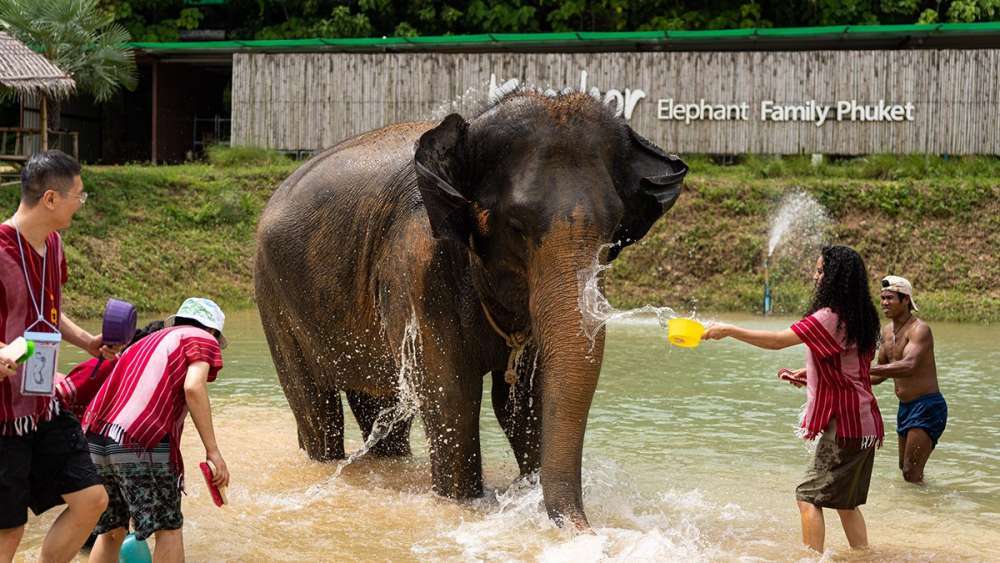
x=517 y=226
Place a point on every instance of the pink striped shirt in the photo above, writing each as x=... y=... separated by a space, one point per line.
x=837 y=383
x=143 y=399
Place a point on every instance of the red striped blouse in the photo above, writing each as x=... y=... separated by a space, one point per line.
x=837 y=383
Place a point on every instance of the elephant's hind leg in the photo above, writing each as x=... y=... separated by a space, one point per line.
x=320 y=421
x=319 y=415
x=367 y=409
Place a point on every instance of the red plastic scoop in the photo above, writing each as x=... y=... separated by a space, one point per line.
x=218 y=495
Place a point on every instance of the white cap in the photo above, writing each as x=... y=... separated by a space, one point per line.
x=900 y=285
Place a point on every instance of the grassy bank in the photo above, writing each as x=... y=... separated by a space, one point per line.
x=933 y=220
x=154 y=235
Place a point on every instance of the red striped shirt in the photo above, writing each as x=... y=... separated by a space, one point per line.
x=17 y=313
x=81 y=384
x=838 y=383
x=143 y=399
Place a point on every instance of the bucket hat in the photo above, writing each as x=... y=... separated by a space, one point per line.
x=205 y=311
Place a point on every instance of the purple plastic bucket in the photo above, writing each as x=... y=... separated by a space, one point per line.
x=119 y=322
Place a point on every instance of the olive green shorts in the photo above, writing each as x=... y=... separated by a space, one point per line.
x=839 y=476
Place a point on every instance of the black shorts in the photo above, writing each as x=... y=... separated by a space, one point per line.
x=37 y=469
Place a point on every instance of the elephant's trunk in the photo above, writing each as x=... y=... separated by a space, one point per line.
x=571 y=364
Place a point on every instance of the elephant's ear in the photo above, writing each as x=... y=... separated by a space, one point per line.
x=654 y=180
x=438 y=163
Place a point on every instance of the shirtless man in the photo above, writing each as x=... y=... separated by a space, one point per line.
x=907 y=357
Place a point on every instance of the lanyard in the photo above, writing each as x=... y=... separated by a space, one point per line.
x=39 y=304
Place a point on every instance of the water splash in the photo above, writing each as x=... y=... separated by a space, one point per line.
x=466 y=104
x=630 y=525
x=408 y=404
x=801 y=216
x=595 y=309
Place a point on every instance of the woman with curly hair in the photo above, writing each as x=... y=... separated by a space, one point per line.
x=840 y=332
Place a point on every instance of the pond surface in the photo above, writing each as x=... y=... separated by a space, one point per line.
x=690 y=455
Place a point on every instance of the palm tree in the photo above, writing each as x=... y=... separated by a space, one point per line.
x=78 y=37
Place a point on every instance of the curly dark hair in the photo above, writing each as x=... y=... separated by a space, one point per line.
x=844 y=289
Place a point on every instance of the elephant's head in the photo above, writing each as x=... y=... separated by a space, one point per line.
x=534 y=187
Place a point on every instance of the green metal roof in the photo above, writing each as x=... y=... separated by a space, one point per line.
x=840 y=36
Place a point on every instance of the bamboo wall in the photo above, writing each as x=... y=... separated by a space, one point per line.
x=311 y=101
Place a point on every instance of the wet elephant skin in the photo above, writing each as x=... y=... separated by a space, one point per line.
x=472 y=233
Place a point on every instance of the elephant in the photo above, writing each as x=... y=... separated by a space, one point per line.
x=419 y=257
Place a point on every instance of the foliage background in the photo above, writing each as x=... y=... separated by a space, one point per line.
x=163 y=20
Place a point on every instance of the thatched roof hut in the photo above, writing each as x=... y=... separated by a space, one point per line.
x=29 y=73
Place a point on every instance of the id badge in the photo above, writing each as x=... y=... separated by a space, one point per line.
x=38 y=374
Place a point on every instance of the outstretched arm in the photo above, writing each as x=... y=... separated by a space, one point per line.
x=767 y=339
x=914 y=353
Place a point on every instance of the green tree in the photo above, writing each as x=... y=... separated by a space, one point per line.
x=79 y=38
x=160 y=20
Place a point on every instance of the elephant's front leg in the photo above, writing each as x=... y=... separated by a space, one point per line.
x=450 y=408
x=518 y=409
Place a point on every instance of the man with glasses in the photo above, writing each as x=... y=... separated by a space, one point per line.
x=907 y=357
x=44 y=457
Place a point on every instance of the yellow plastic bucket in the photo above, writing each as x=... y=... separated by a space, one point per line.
x=685 y=333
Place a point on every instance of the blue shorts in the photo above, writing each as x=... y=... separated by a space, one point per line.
x=928 y=412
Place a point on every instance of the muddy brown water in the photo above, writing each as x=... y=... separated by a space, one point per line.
x=689 y=456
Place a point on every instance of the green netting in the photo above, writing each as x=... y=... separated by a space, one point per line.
x=800 y=32
x=535 y=37
x=365 y=41
x=892 y=29
x=712 y=34
x=498 y=40
x=280 y=43
x=449 y=39
x=622 y=35
x=988 y=27
x=186 y=45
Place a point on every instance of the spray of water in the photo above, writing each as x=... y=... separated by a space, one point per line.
x=408 y=404
x=800 y=219
x=466 y=104
x=595 y=309
x=800 y=216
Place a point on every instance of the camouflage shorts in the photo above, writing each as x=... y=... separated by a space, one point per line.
x=142 y=487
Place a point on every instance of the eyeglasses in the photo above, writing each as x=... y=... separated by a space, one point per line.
x=82 y=196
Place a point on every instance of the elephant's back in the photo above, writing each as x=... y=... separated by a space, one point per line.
x=361 y=163
x=330 y=226
x=367 y=178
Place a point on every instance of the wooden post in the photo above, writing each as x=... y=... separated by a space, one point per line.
x=156 y=88
x=43 y=110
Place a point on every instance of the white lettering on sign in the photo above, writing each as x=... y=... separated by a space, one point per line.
x=625 y=101
x=851 y=110
x=666 y=109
